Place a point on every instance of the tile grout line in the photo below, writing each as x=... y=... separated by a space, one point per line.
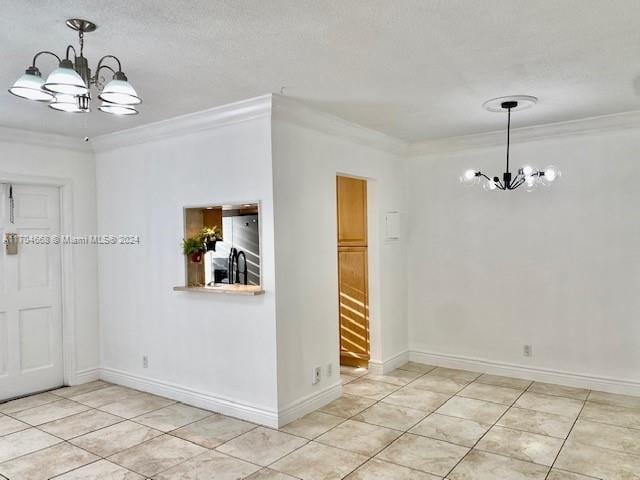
x=376 y=402
x=584 y=403
x=170 y=433
x=423 y=374
x=484 y=434
x=379 y=401
x=123 y=419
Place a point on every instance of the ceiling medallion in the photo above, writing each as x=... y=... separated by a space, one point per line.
x=67 y=88
x=527 y=175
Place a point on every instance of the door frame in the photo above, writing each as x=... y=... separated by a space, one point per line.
x=373 y=264
x=67 y=290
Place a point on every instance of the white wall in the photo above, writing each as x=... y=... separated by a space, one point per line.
x=32 y=156
x=558 y=269
x=309 y=150
x=213 y=350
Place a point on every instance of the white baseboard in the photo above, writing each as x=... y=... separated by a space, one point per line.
x=87 y=375
x=388 y=365
x=603 y=384
x=309 y=404
x=225 y=406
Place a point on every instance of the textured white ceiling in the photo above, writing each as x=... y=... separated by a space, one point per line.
x=414 y=69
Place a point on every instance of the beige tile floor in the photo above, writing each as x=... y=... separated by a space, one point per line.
x=416 y=423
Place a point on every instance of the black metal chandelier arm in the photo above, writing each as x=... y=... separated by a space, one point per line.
x=106 y=57
x=35 y=57
x=483 y=175
x=96 y=76
x=517 y=184
x=71 y=47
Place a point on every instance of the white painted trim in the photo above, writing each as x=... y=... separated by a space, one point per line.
x=308 y=404
x=583 y=126
x=388 y=365
x=86 y=376
x=226 y=406
x=212 y=118
x=294 y=111
x=65 y=186
x=572 y=379
x=50 y=140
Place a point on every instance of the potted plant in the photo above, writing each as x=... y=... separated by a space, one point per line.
x=193 y=247
x=209 y=236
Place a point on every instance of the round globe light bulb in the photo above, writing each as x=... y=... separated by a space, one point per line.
x=527 y=170
x=490 y=186
x=468 y=177
x=551 y=173
x=530 y=183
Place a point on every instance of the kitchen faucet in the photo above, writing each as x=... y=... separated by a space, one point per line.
x=234 y=266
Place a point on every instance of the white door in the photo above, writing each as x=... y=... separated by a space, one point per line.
x=30 y=294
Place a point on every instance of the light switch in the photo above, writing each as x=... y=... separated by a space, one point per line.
x=11 y=243
x=392 y=224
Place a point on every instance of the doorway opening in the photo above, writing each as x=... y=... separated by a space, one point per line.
x=353 y=282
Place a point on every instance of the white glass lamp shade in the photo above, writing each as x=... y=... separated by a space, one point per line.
x=551 y=174
x=116 y=109
x=119 y=92
x=469 y=177
x=66 y=103
x=29 y=86
x=66 y=81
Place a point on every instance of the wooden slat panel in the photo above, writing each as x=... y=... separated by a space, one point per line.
x=354 y=310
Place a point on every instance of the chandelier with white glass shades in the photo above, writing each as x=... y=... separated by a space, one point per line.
x=527 y=176
x=68 y=87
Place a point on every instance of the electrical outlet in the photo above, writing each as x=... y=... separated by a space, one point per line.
x=145 y=361
x=329 y=369
x=526 y=351
x=316 y=375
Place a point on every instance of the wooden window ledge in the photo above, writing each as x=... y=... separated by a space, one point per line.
x=224 y=288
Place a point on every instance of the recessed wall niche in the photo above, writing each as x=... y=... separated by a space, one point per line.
x=221 y=247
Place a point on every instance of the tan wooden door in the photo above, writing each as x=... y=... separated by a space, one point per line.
x=352 y=212
x=352 y=271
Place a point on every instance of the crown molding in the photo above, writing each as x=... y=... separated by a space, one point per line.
x=212 y=118
x=295 y=111
x=41 y=139
x=584 y=126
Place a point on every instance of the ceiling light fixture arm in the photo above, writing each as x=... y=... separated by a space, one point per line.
x=107 y=57
x=43 y=52
x=117 y=74
x=71 y=47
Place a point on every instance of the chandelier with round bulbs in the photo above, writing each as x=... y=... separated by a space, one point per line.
x=68 y=87
x=527 y=176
